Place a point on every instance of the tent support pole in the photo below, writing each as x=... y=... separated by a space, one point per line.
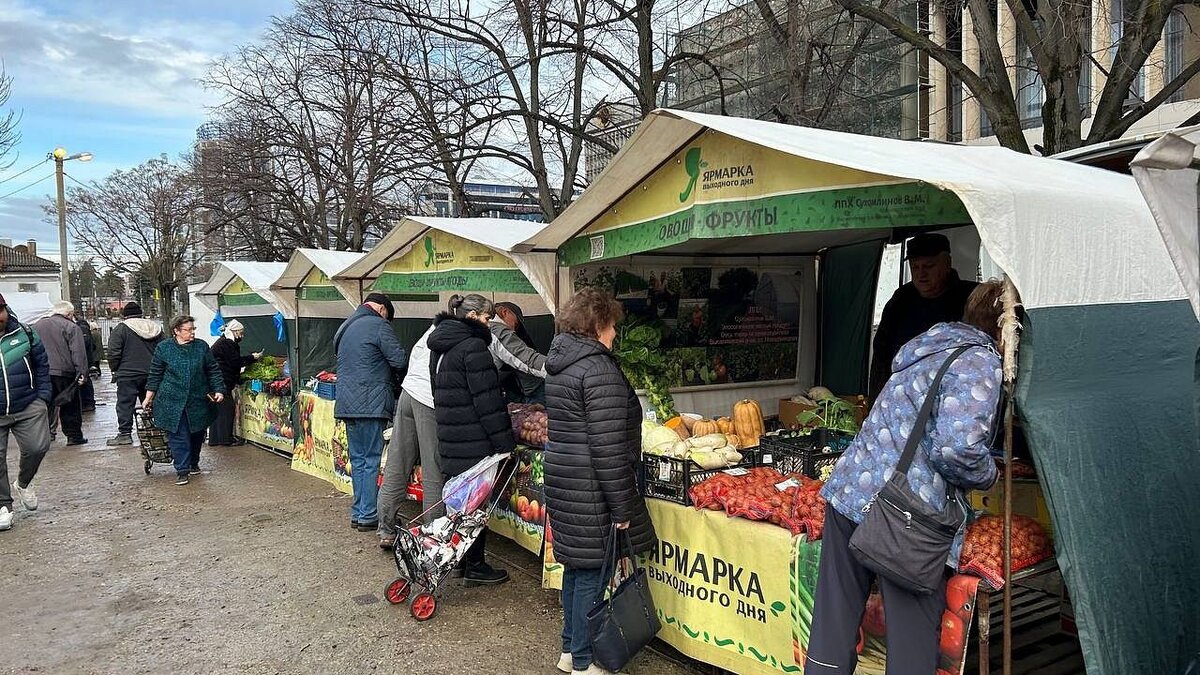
x=1009 y=339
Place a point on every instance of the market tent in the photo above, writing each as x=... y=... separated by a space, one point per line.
x=1168 y=172
x=424 y=260
x=306 y=288
x=242 y=290
x=29 y=307
x=1108 y=376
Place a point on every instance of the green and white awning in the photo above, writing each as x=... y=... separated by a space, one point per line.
x=240 y=289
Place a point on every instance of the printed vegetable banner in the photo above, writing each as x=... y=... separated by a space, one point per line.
x=739 y=595
x=321 y=446
x=521 y=513
x=266 y=420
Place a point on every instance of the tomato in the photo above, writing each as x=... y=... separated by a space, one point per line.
x=958 y=596
x=953 y=635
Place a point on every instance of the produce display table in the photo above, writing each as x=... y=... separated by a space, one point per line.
x=321 y=446
x=265 y=419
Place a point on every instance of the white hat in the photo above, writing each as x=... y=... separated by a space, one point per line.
x=232 y=327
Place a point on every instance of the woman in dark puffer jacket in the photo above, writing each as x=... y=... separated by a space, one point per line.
x=590 y=462
x=472 y=416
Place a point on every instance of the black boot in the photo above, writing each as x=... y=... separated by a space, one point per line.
x=483 y=574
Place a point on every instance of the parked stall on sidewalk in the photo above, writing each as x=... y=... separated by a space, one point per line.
x=242 y=291
x=751 y=250
x=306 y=288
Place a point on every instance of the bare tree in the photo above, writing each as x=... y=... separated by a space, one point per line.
x=139 y=221
x=1057 y=36
x=9 y=136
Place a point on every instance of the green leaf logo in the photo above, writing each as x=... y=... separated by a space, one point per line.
x=429 y=251
x=692 y=164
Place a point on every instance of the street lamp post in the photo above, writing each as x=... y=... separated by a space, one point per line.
x=60 y=156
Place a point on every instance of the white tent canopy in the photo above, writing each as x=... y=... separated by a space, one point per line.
x=258 y=276
x=302 y=263
x=28 y=306
x=1168 y=173
x=1053 y=226
x=503 y=236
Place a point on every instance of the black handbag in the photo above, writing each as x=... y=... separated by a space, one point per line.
x=627 y=621
x=901 y=538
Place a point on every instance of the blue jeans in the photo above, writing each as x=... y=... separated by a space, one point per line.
x=185 y=446
x=365 y=436
x=580 y=592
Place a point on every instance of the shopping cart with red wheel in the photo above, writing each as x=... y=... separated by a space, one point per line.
x=426 y=554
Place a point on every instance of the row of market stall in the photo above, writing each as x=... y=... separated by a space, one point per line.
x=750 y=251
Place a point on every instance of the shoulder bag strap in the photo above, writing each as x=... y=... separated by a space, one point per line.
x=337 y=339
x=918 y=429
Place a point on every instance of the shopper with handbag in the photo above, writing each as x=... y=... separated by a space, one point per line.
x=590 y=464
x=896 y=505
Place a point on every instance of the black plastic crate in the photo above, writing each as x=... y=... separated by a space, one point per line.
x=669 y=479
x=805 y=454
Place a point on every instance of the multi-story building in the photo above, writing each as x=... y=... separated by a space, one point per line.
x=893 y=90
x=485 y=200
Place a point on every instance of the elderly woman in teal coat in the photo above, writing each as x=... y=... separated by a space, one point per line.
x=186 y=382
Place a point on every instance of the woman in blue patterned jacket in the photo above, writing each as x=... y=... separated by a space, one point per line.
x=954 y=456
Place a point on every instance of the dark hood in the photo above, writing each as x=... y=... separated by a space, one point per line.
x=567 y=349
x=12 y=322
x=450 y=330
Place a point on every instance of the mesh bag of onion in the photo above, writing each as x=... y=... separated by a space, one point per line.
x=983 y=554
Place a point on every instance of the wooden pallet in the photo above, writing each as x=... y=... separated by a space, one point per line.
x=1039 y=644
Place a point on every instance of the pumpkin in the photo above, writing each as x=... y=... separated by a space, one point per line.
x=705 y=427
x=748 y=422
x=725 y=425
x=676 y=424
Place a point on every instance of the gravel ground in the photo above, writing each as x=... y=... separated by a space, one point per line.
x=251 y=568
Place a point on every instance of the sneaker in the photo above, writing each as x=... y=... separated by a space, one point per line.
x=596 y=670
x=6 y=516
x=564 y=662
x=364 y=526
x=27 y=496
x=77 y=441
x=195 y=472
x=181 y=479
x=484 y=574
x=121 y=439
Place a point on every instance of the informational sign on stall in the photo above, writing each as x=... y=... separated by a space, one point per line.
x=322 y=449
x=439 y=262
x=739 y=595
x=266 y=420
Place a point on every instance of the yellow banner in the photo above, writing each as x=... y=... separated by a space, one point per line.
x=439 y=251
x=721 y=168
x=265 y=420
x=321 y=446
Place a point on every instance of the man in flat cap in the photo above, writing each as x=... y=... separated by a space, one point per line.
x=936 y=294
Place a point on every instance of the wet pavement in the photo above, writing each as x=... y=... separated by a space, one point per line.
x=251 y=568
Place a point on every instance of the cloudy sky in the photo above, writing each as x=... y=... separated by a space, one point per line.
x=116 y=78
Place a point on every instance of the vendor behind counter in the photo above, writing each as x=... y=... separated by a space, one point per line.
x=935 y=295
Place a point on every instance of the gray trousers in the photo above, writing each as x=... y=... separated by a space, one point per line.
x=32 y=430
x=414 y=440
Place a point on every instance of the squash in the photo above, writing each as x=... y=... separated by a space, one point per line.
x=725 y=425
x=676 y=424
x=734 y=441
x=748 y=422
x=705 y=427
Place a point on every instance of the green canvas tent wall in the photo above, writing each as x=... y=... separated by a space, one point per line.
x=1107 y=378
x=423 y=261
x=242 y=290
x=306 y=287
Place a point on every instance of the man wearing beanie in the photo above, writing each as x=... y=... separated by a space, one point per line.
x=25 y=395
x=68 y=368
x=369 y=362
x=130 y=350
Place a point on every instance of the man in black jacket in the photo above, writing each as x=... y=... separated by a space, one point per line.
x=935 y=295
x=130 y=349
x=87 y=392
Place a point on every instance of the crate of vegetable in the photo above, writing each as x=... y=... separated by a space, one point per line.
x=812 y=454
x=669 y=478
x=983 y=547
x=671 y=465
x=530 y=426
x=792 y=502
